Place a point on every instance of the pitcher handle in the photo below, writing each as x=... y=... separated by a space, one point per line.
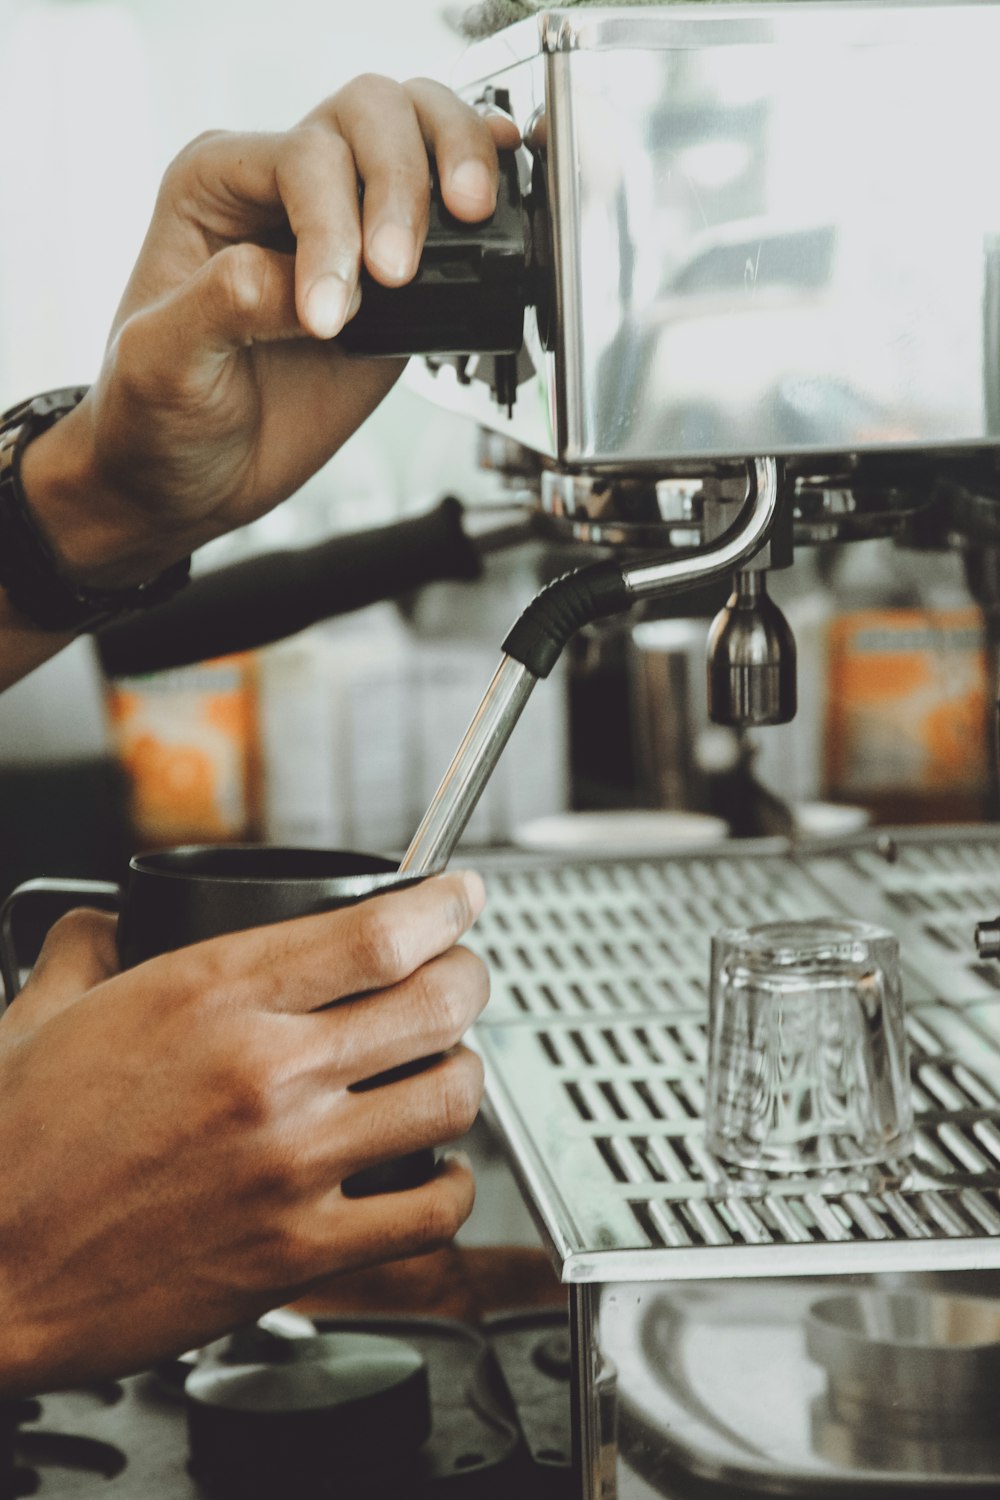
x=101 y=893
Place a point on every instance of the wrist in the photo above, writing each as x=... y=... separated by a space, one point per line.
x=71 y=555
x=97 y=536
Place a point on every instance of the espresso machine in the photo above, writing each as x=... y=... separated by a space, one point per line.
x=719 y=314
x=750 y=284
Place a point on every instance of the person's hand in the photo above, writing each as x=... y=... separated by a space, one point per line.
x=175 y=1136
x=223 y=388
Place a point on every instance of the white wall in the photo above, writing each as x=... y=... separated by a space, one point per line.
x=98 y=95
x=96 y=98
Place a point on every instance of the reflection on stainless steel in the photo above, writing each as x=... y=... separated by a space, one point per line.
x=649 y=511
x=627 y=512
x=918 y=1364
x=871 y=1453
x=743 y=261
x=716 y=1381
x=651 y=578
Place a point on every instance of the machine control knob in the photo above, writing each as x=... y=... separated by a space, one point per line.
x=988 y=938
x=471 y=288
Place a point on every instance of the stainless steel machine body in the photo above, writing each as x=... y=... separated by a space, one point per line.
x=765 y=233
x=692 y=1290
x=775 y=229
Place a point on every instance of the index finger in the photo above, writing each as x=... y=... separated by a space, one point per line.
x=464 y=144
x=305 y=963
x=390 y=128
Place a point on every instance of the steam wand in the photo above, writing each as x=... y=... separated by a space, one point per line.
x=536 y=642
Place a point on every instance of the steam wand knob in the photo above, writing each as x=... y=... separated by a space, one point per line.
x=988 y=938
x=751 y=658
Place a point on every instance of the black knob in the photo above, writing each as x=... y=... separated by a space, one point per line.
x=311 y=1417
x=470 y=291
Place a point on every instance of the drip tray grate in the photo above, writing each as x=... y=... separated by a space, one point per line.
x=595 y=1044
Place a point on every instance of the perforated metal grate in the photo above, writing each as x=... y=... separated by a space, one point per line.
x=619 y=938
x=596 y=1048
x=932 y=893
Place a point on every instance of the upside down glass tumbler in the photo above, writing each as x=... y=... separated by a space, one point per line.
x=807 y=1065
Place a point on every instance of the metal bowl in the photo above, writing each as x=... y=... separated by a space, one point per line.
x=917 y=1363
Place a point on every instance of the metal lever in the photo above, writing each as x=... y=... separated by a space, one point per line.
x=475 y=760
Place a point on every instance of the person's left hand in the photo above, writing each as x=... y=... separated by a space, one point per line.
x=221 y=391
x=177 y=1136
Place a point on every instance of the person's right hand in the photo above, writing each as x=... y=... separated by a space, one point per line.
x=223 y=387
x=175 y=1136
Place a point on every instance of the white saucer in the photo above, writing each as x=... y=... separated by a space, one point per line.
x=599 y=834
x=829 y=820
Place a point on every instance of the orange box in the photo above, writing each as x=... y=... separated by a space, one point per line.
x=186 y=740
x=908 y=703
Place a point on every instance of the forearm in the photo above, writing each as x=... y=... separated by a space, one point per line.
x=23 y=647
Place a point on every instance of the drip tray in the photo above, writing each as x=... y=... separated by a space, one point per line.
x=595 y=1045
x=722 y=1383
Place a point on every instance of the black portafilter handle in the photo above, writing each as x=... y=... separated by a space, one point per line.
x=471 y=288
x=266 y=598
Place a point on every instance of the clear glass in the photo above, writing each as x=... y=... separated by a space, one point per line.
x=807 y=1066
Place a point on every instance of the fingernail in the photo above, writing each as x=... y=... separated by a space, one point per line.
x=473 y=181
x=393 y=248
x=475 y=890
x=328 y=305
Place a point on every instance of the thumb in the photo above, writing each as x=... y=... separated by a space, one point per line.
x=79 y=952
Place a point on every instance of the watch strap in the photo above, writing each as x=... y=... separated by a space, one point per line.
x=30 y=572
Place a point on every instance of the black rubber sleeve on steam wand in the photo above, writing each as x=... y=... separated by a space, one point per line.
x=277 y=594
x=559 y=611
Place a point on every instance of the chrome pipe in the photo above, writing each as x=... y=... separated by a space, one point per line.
x=462 y=785
x=663 y=575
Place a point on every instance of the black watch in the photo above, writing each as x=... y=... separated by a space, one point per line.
x=30 y=572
